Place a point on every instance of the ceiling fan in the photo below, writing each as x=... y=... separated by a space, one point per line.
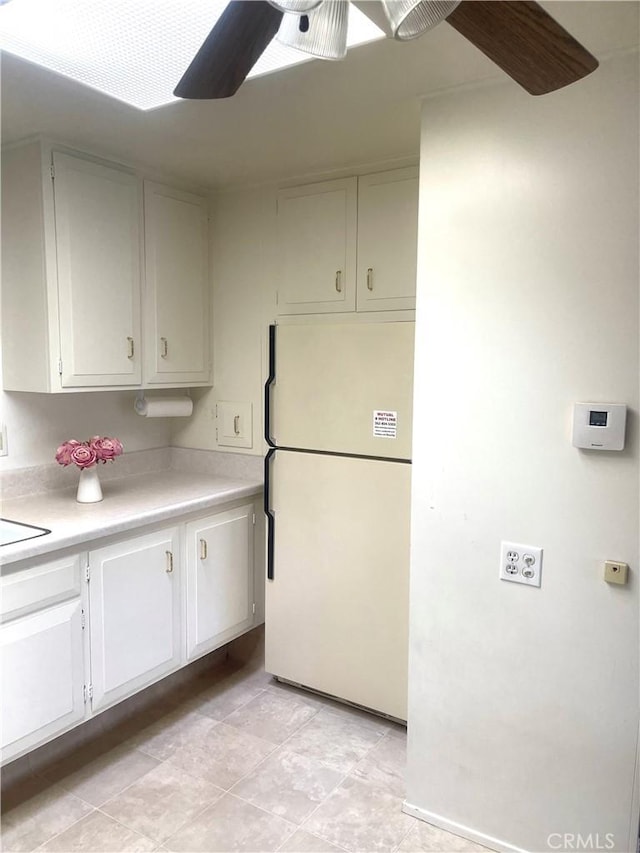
x=518 y=35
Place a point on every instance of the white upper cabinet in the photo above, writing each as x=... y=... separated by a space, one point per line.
x=177 y=286
x=349 y=245
x=98 y=252
x=73 y=254
x=387 y=240
x=317 y=248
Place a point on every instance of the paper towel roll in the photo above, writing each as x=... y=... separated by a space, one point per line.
x=164 y=407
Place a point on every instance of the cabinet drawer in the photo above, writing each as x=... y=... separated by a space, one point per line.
x=38 y=587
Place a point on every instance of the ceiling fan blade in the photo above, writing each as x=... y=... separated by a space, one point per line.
x=525 y=41
x=230 y=51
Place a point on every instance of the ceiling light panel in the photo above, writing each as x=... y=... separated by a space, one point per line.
x=133 y=50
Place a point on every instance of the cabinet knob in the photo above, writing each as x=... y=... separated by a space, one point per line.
x=130 y=347
x=164 y=347
x=339 y=281
x=370 y=278
x=203 y=549
x=169 y=568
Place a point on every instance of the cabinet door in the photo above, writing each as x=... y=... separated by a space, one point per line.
x=387 y=240
x=97 y=214
x=219 y=579
x=317 y=248
x=177 y=286
x=134 y=605
x=42 y=676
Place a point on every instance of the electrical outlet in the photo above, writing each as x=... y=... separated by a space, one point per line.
x=4 y=447
x=520 y=563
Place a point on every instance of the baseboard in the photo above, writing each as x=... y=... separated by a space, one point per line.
x=460 y=829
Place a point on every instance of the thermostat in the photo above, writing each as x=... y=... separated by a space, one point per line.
x=599 y=426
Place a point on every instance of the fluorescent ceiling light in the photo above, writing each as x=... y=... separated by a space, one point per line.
x=133 y=50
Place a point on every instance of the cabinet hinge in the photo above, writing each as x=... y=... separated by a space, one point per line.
x=87 y=573
x=52 y=171
x=60 y=366
x=87 y=692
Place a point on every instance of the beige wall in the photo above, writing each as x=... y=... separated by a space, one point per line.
x=523 y=717
x=242 y=244
x=244 y=273
x=243 y=283
x=38 y=423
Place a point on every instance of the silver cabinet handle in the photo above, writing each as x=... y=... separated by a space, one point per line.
x=370 y=278
x=164 y=348
x=236 y=425
x=130 y=347
x=203 y=549
x=339 y=281
x=169 y=568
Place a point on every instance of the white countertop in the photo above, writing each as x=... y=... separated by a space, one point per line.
x=127 y=503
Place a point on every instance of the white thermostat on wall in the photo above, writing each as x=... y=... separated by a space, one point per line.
x=599 y=426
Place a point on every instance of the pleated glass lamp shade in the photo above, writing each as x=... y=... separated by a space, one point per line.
x=297 y=7
x=326 y=35
x=411 y=18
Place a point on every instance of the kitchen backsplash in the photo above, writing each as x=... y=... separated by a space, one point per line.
x=239 y=465
x=51 y=477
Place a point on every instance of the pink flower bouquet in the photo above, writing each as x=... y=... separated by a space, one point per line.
x=84 y=454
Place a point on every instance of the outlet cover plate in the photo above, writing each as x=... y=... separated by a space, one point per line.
x=615 y=572
x=521 y=563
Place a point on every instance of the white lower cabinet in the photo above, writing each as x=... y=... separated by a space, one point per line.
x=134 y=606
x=81 y=633
x=219 y=578
x=41 y=655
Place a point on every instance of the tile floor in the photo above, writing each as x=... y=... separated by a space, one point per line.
x=232 y=761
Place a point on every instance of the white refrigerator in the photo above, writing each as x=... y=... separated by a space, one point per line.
x=338 y=411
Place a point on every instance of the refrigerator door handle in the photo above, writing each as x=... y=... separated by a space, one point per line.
x=271 y=521
x=267 y=388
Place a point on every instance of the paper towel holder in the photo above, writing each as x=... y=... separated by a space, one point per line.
x=139 y=402
x=142 y=405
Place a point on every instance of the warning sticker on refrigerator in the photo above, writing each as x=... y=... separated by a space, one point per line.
x=385 y=424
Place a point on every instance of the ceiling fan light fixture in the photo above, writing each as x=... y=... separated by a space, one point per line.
x=326 y=34
x=295 y=7
x=411 y=18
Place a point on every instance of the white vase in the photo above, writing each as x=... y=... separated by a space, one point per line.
x=89 y=489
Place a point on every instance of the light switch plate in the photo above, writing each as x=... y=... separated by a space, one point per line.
x=234 y=424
